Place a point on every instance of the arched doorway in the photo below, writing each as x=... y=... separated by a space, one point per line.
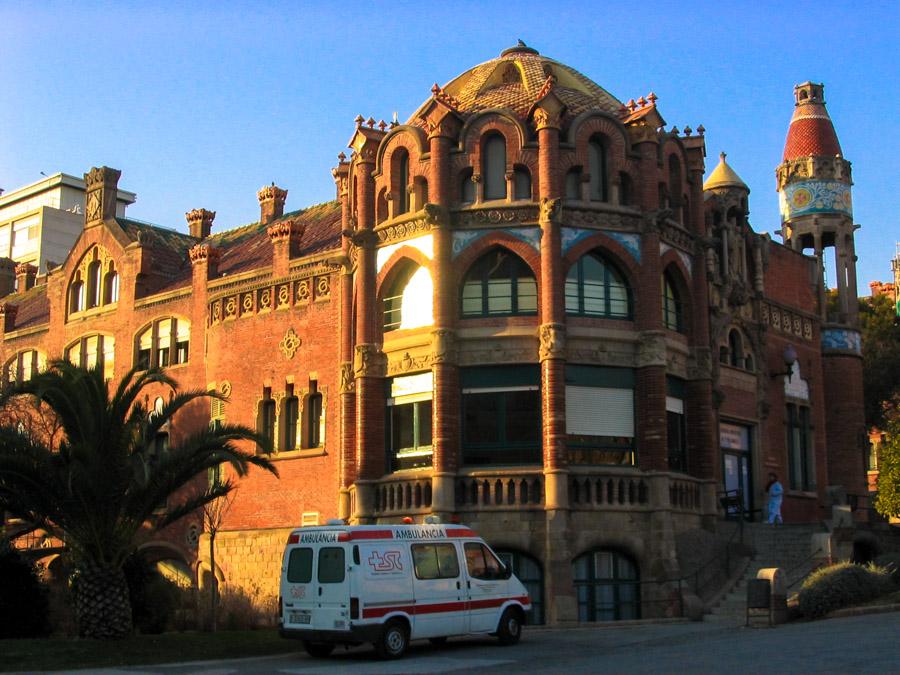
x=607 y=586
x=528 y=570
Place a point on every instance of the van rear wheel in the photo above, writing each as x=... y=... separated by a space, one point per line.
x=510 y=628
x=394 y=640
x=318 y=650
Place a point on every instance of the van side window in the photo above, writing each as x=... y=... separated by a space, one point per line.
x=481 y=563
x=435 y=561
x=299 y=569
x=331 y=565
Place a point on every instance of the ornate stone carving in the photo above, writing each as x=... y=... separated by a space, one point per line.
x=285 y=229
x=552 y=341
x=651 y=349
x=601 y=218
x=347 y=381
x=655 y=221
x=406 y=230
x=369 y=361
x=304 y=290
x=290 y=343
x=551 y=210
x=203 y=252
x=496 y=216
x=544 y=119
x=225 y=388
x=443 y=346
x=284 y=296
x=271 y=192
x=408 y=364
x=323 y=288
x=700 y=364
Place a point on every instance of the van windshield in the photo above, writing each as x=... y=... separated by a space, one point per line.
x=299 y=569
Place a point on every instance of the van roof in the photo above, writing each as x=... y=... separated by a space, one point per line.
x=375 y=532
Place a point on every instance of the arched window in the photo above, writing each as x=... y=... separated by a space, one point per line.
x=466 y=187
x=736 y=349
x=76 y=294
x=528 y=570
x=499 y=284
x=408 y=303
x=521 y=183
x=165 y=342
x=313 y=420
x=420 y=193
x=111 y=286
x=599 y=187
x=607 y=586
x=402 y=182
x=265 y=419
x=493 y=167
x=671 y=305
x=594 y=287
x=674 y=191
x=573 y=184
x=93 y=294
x=381 y=208
x=23 y=366
x=290 y=421
x=91 y=351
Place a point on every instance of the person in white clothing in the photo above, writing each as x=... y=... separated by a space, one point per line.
x=776 y=495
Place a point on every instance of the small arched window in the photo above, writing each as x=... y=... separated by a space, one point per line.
x=466 y=187
x=111 y=286
x=736 y=349
x=165 y=342
x=313 y=420
x=671 y=305
x=290 y=421
x=76 y=295
x=402 y=182
x=265 y=419
x=573 y=184
x=607 y=586
x=674 y=191
x=521 y=183
x=499 y=284
x=93 y=288
x=594 y=287
x=494 y=167
x=597 y=167
x=408 y=302
x=23 y=366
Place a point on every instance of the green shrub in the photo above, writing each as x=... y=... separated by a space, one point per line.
x=153 y=597
x=23 y=598
x=841 y=585
x=890 y=562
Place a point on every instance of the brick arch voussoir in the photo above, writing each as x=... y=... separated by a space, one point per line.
x=611 y=132
x=475 y=250
x=385 y=170
x=395 y=264
x=674 y=147
x=489 y=122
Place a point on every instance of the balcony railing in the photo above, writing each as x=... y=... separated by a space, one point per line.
x=403 y=496
x=490 y=490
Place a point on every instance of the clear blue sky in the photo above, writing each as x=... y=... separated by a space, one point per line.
x=200 y=104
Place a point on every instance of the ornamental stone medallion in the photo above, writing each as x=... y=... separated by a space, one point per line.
x=290 y=343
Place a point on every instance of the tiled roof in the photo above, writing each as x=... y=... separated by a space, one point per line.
x=514 y=82
x=724 y=176
x=811 y=133
x=33 y=307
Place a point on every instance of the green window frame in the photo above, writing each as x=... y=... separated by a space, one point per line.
x=799 y=447
x=596 y=288
x=499 y=284
x=607 y=586
x=672 y=307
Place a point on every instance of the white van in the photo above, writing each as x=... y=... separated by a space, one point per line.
x=389 y=584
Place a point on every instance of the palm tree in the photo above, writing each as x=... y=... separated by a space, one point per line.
x=104 y=481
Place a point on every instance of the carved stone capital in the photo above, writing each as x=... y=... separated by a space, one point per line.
x=362 y=238
x=443 y=346
x=286 y=229
x=552 y=341
x=700 y=364
x=436 y=215
x=204 y=253
x=369 y=361
x=271 y=193
x=348 y=384
x=651 y=349
x=551 y=210
x=545 y=119
x=655 y=220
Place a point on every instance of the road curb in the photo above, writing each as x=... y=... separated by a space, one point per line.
x=861 y=611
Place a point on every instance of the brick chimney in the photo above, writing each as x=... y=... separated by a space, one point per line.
x=271 y=203
x=25 y=275
x=285 y=236
x=205 y=261
x=200 y=222
x=8 y=316
x=101 y=190
x=7 y=276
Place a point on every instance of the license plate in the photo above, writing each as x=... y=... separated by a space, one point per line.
x=299 y=617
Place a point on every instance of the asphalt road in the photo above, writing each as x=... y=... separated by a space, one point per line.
x=863 y=644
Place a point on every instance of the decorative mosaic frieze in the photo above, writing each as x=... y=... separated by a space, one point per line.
x=463 y=239
x=843 y=339
x=630 y=241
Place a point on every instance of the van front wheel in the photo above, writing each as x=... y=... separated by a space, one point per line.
x=318 y=650
x=394 y=640
x=510 y=628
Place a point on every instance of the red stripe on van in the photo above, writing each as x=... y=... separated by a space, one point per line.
x=437 y=608
x=371 y=534
x=460 y=532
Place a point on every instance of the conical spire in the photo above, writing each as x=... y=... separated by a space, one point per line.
x=723 y=176
x=811 y=131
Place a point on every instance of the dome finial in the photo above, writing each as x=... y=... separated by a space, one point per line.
x=520 y=48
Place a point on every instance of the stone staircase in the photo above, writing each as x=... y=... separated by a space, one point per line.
x=784 y=546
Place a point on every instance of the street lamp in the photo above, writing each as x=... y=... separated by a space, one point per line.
x=790 y=358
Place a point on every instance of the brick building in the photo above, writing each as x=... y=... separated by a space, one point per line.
x=524 y=310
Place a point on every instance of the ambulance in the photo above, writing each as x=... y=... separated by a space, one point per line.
x=390 y=584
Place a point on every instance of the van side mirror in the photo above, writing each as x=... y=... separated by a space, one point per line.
x=506 y=573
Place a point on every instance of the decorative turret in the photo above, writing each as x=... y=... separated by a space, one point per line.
x=724 y=177
x=816 y=206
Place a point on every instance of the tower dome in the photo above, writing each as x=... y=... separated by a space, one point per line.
x=518 y=78
x=811 y=131
x=723 y=176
